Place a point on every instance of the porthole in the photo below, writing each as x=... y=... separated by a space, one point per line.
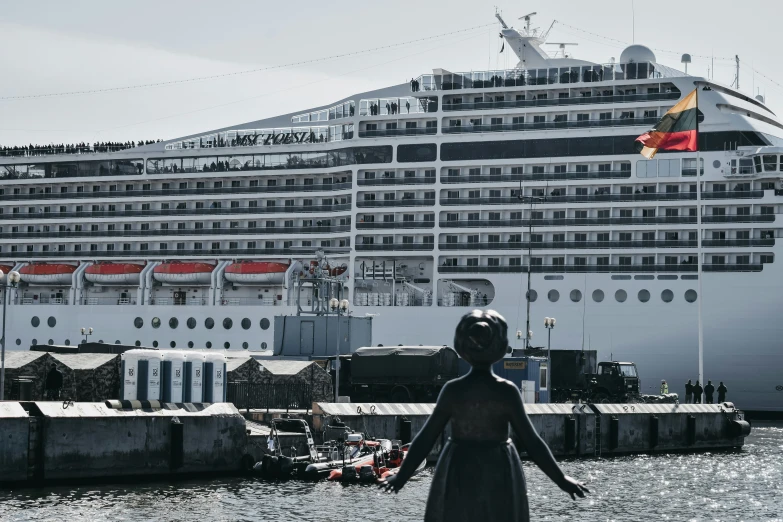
x=67 y=342
x=667 y=296
x=154 y=344
x=35 y=321
x=598 y=295
x=226 y=345
x=191 y=322
x=533 y=295
x=690 y=296
x=209 y=323
x=228 y=323
x=716 y=164
x=138 y=343
x=173 y=344
x=18 y=342
x=576 y=295
x=245 y=345
x=173 y=323
x=51 y=322
x=190 y=344
x=156 y=322
x=553 y=295
x=644 y=296
x=263 y=346
x=209 y=344
x=621 y=296
x=138 y=322
x=51 y=342
x=246 y=323
x=34 y=341
x=264 y=323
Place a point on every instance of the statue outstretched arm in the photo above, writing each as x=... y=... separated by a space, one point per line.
x=537 y=449
x=423 y=442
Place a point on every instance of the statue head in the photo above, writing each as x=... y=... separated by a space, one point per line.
x=481 y=337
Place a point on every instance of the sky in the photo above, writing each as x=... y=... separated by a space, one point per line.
x=53 y=47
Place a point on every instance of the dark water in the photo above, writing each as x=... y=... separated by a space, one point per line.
x=746 y=485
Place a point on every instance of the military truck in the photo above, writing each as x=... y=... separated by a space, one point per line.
x=397 y=373
x=576 y=376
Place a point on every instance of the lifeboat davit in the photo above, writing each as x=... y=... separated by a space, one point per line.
x=47 y=273
x=256 y=272
x=114 y=273
x=179 y=273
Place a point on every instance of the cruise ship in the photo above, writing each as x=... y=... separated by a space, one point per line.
x=428 y=199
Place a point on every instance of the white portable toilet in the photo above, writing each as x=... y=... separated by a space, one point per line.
x=141 y=375
x=194 y=378
x=214 y=377
x=173 y=386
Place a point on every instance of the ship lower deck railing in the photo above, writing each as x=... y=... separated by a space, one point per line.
x=623 y=245
x=236 y=231
x=212 y=253
x=253 y=301
x=103 y=301
x=385 y=225
x=609 y=198
x=41 y=301
x=607 y=269
x=637 y=220
x=553 y=102
x=550 y=125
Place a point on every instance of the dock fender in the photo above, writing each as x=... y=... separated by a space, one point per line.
x=739 y=428
x=247 y=463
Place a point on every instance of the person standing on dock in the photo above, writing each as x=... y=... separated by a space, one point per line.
x=722 y=392
x=709 y=392
x=688 y=392
x=54 y=382
x=697 y=391
x=664 y=388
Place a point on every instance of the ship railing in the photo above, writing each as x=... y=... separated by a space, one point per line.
x=40 y=301
x=553 y=102
x=100 y=301
x=188 y=301
x=404 y=106
x=560 y=269
x=635 y=220
x=549 y=125
x=380 y=133
x=585 y=74
x=537 y=176
x=252 y=301
x=613 y=244
x=588 y=198
x=375 y=182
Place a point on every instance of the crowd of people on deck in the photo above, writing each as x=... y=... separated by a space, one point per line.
x=73 y=148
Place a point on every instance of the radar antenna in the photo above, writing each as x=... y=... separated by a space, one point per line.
x=527 y=18
x=562 y=46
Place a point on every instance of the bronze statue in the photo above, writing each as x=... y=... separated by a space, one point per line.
x=479 y=475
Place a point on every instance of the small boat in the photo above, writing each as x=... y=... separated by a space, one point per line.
x=256 y=272
x=114 y=273
x=48 y=274
x=180 y=273
x=385 y=464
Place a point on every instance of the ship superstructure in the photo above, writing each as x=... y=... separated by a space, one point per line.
x=428 y=199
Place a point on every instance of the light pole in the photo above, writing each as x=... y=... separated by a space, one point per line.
x=549 y=324
x=340 y=307
x=8 y=282
x=86 y=332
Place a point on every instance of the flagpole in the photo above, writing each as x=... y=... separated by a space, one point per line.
x=700 y=296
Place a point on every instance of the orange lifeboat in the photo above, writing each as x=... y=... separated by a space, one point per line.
x=336 y=271
x=6 y=268
x=181 y=273
x=256 y=272
x=47 y=274
x=114 y=273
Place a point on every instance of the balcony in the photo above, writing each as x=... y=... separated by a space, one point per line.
x=252 y=301
x=394 y=247
x=105 y=301
x=282 y=209
x=379 y=182
x=26 y=300
x=537 y=176
x=189 y=301
x=321 y=187
x=409 y=202
x=556 y=102
x=624 y=245
x=384 y=225
x=388 y=133
x=550 y=125
x=656 y=220
x=178 y=232
x=605 y=198
x=579 y=269
x=168 y=253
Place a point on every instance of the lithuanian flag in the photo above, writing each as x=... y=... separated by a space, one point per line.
x=677 y=130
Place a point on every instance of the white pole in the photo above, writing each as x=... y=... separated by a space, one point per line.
x=700 y=297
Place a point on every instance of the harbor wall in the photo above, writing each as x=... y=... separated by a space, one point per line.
x=14 y=436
